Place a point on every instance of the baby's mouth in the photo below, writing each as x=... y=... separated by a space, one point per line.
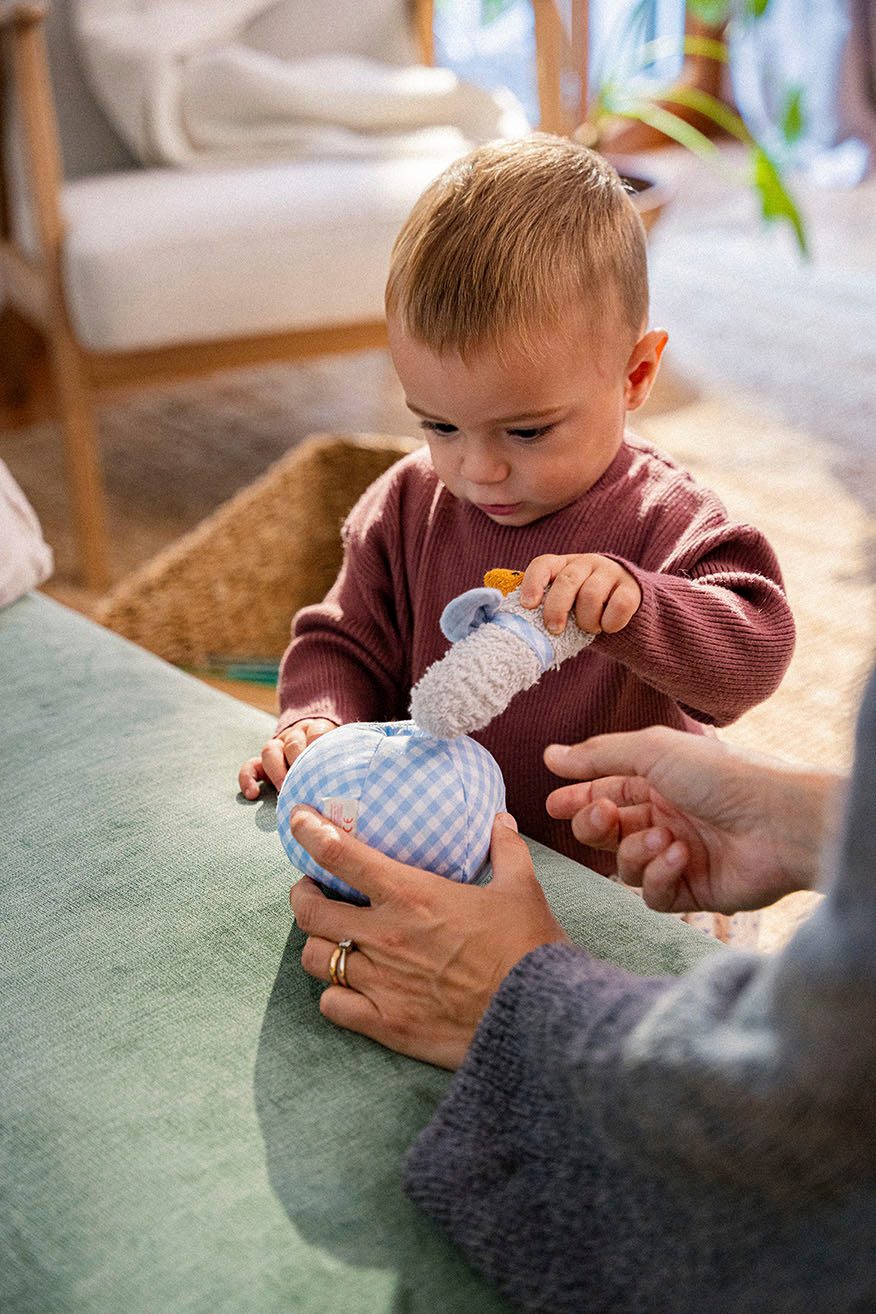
x=498 y=508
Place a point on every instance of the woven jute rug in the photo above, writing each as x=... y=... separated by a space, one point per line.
x=823 y=537
x=172 y=455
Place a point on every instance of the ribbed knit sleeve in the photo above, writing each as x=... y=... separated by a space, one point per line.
x=349 y=659
x=714 y=630
x=620 y=1144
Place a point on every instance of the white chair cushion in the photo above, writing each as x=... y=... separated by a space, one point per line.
x=156 y=257
x=295 y=29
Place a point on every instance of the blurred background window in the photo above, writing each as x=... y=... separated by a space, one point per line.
x=492 y=42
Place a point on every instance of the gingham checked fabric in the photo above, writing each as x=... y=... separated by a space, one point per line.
x=425 y=801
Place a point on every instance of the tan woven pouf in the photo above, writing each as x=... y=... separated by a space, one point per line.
x=227 y=591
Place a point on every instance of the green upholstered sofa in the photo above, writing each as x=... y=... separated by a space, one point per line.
x=180 y=1128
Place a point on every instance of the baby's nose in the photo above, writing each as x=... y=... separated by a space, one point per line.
x=482 y=464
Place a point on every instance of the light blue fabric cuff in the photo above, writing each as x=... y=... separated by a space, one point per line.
x=532 y=637
x=469 y=612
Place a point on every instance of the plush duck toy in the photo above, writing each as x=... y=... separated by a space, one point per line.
x=422 y=791
x=499 y=649
x=424 y=801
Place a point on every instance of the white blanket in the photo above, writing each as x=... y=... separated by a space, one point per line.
x=182 y=85
x=25 y=557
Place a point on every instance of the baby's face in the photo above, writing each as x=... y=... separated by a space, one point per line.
x=516 y=439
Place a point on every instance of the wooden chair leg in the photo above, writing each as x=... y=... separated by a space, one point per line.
x=23 y=382
x=84 y=475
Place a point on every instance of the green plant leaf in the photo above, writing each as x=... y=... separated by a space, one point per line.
x=793 y=117
x=712 y=12
x=716 y=111
x=615 y=98
x=662 y=47
x=715 y=13
x=710 y=47
x=491 y=10
x=669 y=124
x=775 y=199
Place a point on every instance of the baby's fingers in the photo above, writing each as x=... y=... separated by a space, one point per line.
x=249 y=777
x=277 y=755
x=622 y=605
x=594 y=594
x=574 y=578
x=537 y=577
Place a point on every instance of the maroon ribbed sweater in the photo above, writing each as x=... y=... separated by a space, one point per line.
x=712 y=637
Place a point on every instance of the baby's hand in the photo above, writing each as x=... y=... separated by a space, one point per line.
x=602 y=594
x=279 y=753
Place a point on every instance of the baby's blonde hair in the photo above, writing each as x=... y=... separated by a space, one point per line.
x=518 y=237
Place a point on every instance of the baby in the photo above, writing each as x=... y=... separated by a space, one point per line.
x=517 y=305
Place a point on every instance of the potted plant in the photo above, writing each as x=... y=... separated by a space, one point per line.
x=684 y=112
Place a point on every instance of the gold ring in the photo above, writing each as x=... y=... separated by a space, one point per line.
x=345 y=946
x=338 y=963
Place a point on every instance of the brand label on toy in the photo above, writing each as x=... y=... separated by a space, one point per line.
x=341 y=812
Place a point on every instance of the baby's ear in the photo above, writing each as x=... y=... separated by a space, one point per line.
x=642 y=367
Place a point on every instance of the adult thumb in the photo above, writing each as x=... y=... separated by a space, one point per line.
x=509 y=855
x=624 y=753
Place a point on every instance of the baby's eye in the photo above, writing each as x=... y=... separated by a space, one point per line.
x=437 y=426
x=530 y=435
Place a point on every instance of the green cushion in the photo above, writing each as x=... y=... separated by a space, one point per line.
x=181 y=1130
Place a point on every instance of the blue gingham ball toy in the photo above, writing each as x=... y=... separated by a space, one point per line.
x=424 y=801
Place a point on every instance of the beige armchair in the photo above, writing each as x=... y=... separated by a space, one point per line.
x=136 y=275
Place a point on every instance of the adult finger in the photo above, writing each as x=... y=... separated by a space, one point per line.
x=625 y=791
x=568 y=799
x=510 y=858
x=520 y=917
x=316 y=959
x=663 y=883
x=598 y=825
x=636 y=852
x=657 y=863
x=344 y=855
x=632 y=753
x=396 y=1027
x=329 y=919
x=605 y=825
x=353 y=1011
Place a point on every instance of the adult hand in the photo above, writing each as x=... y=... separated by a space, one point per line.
x=279 y=753
x=429 y=953
x=696 y=822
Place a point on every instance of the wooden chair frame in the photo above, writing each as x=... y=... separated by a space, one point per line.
x=34 y=286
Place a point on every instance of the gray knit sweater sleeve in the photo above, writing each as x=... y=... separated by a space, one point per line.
x=620 y=1144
